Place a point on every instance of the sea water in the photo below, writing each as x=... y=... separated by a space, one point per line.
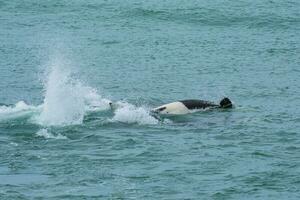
x=63 y=62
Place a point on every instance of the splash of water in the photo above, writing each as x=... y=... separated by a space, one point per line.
x=128 y=113
x=63 y=102
x=66 y=99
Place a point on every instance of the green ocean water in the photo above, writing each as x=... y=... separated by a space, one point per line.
x=61 y=62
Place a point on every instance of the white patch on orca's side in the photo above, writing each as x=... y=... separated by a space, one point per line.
x=175 y=108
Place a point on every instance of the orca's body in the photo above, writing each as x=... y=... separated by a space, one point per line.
x=189 y=106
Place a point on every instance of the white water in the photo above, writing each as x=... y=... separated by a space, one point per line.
x=20 y=106
x=67 y=100
x=20 y=109
x=128 y=113
x=63 y=103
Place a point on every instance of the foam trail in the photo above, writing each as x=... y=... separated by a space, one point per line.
x=20 y=109
x=20 y=106
x=129 y=113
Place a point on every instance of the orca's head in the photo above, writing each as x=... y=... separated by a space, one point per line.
x=225 y=103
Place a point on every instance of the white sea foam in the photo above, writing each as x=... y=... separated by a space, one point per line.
x=48 y=135
x=20 y=106
x=18 y=110
x=94 y=101
x=129 y=113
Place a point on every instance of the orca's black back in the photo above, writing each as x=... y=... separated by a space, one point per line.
x=197 y=104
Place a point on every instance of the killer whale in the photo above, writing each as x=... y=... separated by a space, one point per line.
x=190 y=105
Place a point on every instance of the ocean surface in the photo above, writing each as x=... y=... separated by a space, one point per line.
x=62 y=62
